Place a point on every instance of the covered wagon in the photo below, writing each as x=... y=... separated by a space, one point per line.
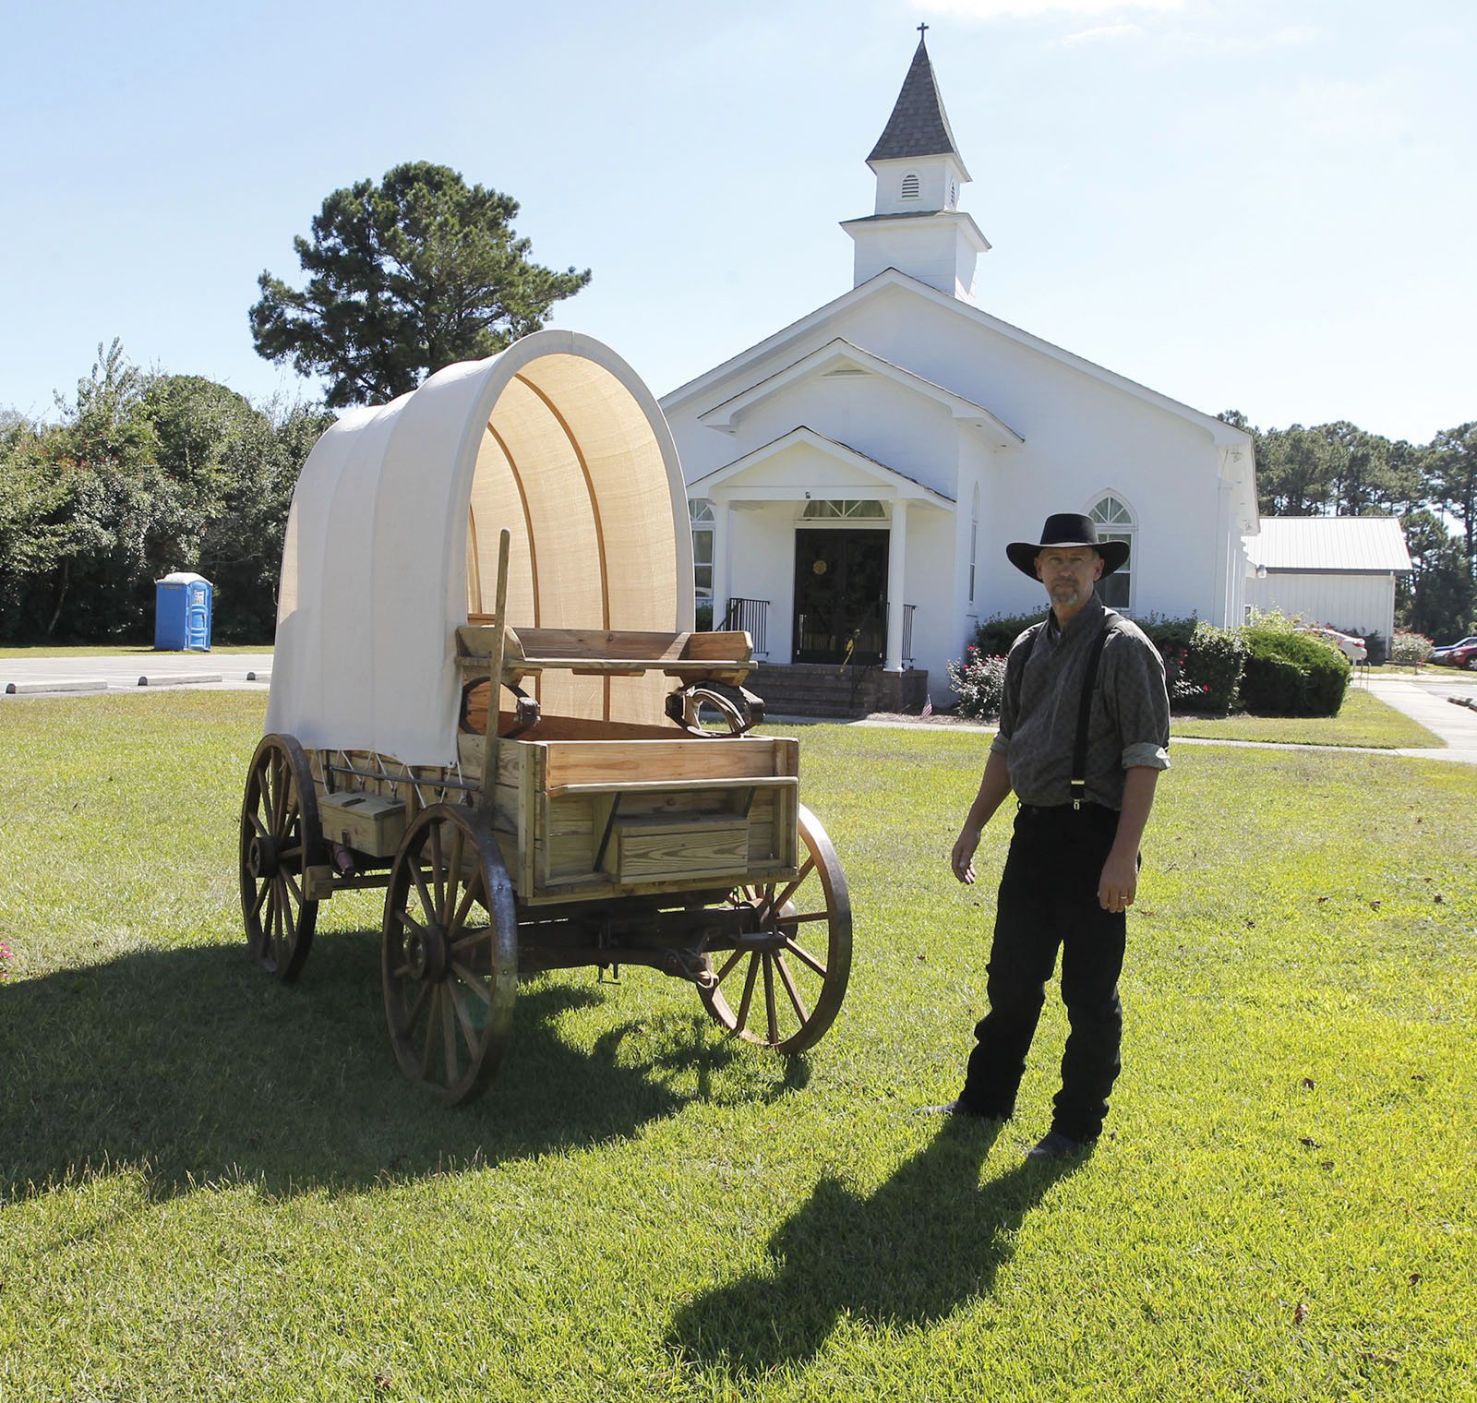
x=488 y=699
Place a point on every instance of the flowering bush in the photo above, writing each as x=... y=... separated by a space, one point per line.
x=980 y=682
x=1410 y=649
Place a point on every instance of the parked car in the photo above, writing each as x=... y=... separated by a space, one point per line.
x=1463 y=654
x=1355 y=649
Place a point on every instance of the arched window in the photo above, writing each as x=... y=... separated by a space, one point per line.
x=700 y=510
x=847 y=510
x=910 y=186
x=1115 y=523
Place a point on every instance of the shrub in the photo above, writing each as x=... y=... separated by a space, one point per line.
x=1292 y=674
x=1214 y=667
x=980 y=682
x=1410 y=649
x=1202 y=663
x=993 y=636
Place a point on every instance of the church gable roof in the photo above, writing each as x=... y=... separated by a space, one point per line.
x=919 y=126
x=883 y=474
x=840 y=356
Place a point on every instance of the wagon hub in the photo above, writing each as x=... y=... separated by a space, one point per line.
x=261 y=856
x=426 y=953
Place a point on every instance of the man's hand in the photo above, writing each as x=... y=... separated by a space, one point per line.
x=1118 y=885
x=962 y=859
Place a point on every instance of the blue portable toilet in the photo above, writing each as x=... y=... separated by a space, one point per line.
x=182 y=610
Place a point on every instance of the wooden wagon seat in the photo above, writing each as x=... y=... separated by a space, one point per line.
x=691 y=657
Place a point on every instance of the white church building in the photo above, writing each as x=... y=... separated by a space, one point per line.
x=854 y=477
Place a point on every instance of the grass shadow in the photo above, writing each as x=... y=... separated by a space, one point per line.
x=930 y=1239
x=196 y=1067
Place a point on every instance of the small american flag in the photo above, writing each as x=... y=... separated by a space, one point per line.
x=927 y=707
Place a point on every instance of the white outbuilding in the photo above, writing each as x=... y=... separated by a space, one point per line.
x=1333 y=570
x=854 y=477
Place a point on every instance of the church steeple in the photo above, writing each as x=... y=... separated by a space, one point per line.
x=919 y=126
x=917 y=226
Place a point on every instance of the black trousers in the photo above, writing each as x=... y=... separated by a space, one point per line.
x=1048 y=898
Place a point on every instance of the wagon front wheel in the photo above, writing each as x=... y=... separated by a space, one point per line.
x=449 y=953
x=782 y=982
x=280 y=838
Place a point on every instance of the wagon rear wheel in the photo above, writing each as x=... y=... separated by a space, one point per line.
x=449 y=952
x=783 y=984
x=280 y=838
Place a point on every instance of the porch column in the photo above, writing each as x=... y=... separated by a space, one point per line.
x=721 y=527
x=897 y=574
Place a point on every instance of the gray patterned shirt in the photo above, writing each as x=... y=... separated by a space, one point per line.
x=1129 y=720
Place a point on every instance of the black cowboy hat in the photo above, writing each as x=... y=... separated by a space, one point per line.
x=1067 y=529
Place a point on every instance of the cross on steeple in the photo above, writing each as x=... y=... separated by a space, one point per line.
x=922 y=29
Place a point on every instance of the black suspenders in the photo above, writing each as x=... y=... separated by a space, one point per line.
x=1084 y=712
x=1078 y=788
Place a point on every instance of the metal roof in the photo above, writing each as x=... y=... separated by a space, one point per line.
x=919 y=126
x=1358 y=544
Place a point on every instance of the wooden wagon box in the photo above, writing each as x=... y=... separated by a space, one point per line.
x=626 y=814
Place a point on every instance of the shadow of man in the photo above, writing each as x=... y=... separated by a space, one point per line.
x=930 y=1239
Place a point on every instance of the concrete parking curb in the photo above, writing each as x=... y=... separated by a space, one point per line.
x=57 y=684
x=177 y=679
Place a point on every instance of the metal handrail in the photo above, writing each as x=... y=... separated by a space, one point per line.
x=751 y=616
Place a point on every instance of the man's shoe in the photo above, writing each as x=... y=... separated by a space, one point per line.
x=1055 y=1145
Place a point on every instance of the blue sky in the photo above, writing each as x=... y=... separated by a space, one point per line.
x=1241 y=203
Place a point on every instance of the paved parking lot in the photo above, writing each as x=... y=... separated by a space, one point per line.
x=67 y=673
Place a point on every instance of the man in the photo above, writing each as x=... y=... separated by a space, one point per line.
x=1072 y=869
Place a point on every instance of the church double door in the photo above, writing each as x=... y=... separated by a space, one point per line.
x=840 y=596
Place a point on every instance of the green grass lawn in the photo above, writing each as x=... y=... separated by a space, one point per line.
x=213 y=1187
x=1362 y=720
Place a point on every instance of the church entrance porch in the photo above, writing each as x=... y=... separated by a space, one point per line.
x=840 y=596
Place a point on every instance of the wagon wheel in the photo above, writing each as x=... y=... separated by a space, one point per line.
x=783 y=985
x=449 y=952
x=280 y=838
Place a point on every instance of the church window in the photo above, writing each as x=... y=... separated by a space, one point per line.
x=1115 y=522
x=700 y=510
x=910 y=186
x=974 y=537
x=827 y=510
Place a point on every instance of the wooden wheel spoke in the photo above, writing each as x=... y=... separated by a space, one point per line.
x=463 y=907
x=438 y=876
x=280 y=794
x=453 y=876
x=805 y=957
x=476 y=935
x=741 y=1018
x=771 y=1012
x=416 y=1004
x=448 y=1030
x=289 y=919
x=463 y=1018
x=283 y=854
x=259 y=898
x=789 y=891
x=469 y=979
x=433 y=1018
x=256 y=823
x=723 y=973
x=802 y=917
x=788 y=980
x=292 y=886
x=410 y=922
x=427 y=904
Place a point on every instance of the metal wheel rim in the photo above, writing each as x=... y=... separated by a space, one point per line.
x=279 y=838
x=449 y=953
x=786 y=996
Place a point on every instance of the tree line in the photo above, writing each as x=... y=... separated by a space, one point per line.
x=1340 y=469
x=145 y=473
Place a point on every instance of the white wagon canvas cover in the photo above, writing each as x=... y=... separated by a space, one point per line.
x=393 y=535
